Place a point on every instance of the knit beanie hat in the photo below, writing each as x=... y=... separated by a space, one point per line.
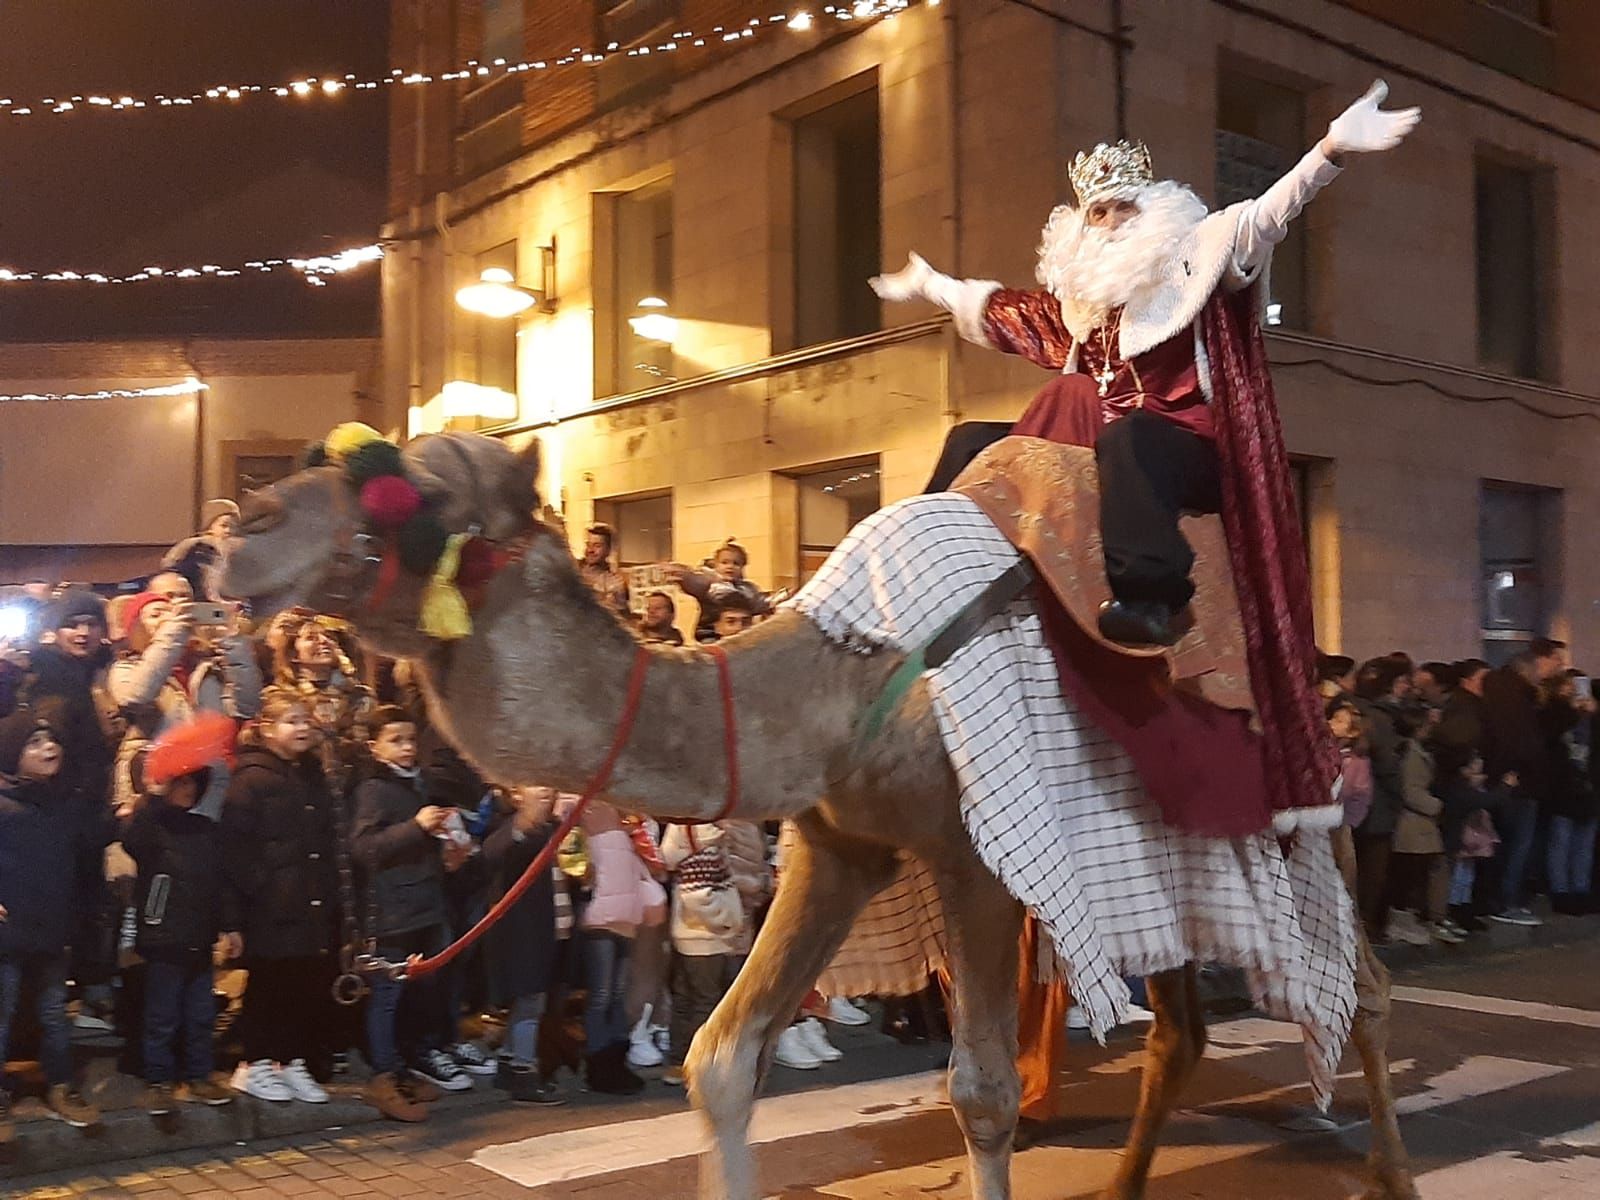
x=212 y=509
x=72 y=605
x=15 y=731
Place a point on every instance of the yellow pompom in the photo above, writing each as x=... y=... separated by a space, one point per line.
x=444 y=608
x=346 y=439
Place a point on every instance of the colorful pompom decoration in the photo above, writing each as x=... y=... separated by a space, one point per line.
x=420 y=542
x=186 y=748
x=372 y=461
x=389 y=501
x=346 y=439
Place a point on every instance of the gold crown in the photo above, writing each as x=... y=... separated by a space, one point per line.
x=1107 y=170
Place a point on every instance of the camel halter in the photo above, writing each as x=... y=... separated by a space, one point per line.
x=418 y=968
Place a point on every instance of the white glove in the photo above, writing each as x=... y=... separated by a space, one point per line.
x=1364 y=127
x=908 y=283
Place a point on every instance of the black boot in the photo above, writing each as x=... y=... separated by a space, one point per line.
x=608 y=1072
x=1137 y=623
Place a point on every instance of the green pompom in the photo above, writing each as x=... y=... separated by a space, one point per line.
x=372 y=460
x=316 y=455
x=421 y=541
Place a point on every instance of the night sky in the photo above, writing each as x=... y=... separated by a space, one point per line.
x=221 y=183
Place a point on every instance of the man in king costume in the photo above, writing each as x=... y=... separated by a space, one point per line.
x=1149 y=313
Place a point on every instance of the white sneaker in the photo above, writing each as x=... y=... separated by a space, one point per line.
x=842 y=1012
x=1077 y=1018
x=794 y=1052
x=300 y=1084
x=1138 y=1015
x=1404 y=927
x=816 y=1040
x=262 y=1080
x=642 y=1049
x=470 y=1057
x=438 y=1067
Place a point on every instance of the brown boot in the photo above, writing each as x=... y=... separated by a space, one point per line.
x=68 y=1105
x=384 y=1094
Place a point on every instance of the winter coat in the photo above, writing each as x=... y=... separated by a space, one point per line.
x=1569 y=785
x=401 y=868
x=1417 y=829
x=741 y=848
x=182 y=899
x=622 y=894
x=84 y=724
x=522 y=947
x=1513 y=741
x=1458 y=736
x=154 y=696
x=1385 y=748
x=47 y=848
x=279 y=826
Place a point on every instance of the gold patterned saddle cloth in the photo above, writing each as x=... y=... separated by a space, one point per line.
x=1045 y=497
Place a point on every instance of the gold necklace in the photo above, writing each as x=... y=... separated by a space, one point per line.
x=1107 y=373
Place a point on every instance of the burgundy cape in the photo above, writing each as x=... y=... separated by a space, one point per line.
x=1209 y=774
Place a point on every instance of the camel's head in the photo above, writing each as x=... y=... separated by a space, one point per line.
x=308 y=542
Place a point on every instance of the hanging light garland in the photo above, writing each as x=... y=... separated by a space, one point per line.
x=329 y=86
x=189 y=387
x=315 y=270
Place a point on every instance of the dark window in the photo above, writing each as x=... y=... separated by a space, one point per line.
x=634 y=247
x=1260 y=135
x=833 y=500
x=1516 y=529
x=837 y=220
x=1511 y=284
x=502 y=30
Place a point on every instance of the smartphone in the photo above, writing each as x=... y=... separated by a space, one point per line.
x=1583 y=686
x=206 y=613
x=14 y=623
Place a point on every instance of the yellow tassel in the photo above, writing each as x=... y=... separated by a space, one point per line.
x=346 y=439
x=444 y=608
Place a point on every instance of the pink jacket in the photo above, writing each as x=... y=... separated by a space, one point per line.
x=622 y=894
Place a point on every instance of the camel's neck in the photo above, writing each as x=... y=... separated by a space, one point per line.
x=536 y=694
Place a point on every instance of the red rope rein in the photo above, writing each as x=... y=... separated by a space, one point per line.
x=730 y=731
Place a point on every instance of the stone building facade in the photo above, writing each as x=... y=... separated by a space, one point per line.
x=1433 y=318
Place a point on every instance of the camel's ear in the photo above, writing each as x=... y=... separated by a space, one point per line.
x=520 y=489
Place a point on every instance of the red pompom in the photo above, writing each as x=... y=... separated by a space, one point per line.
x=479 y=561
x=390 y=501
x=186 y=748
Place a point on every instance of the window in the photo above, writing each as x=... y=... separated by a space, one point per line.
x=1260 y=135
x=622 y=78
x=633 y=231
x=493 y=346
x=642 y=527
x=1516 y=541
x=1512 y=307
x=1535 y=11
x=833 y=500
x=502 y=30
x=837 y=219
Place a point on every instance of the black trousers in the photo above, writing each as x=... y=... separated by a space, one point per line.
x=1152 y=471
x=289 y=1012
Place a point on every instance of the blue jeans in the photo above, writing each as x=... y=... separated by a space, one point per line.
x=178 y=1011
x=605 y=970
x=522 y=1029
x=1518 y=821
x=1571 y=861
x=405 y=1019
x=47 y=974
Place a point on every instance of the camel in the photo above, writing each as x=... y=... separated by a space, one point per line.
x=534 y=693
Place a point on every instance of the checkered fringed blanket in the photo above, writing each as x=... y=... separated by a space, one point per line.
x=1055 y=809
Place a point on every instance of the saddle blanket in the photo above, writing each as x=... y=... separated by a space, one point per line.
x=1055 y=809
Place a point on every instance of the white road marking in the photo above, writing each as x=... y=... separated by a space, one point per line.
x=1509 y=1173
x=627 y=1145
x=1555 y=1014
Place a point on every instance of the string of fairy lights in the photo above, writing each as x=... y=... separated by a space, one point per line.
x=328 y=86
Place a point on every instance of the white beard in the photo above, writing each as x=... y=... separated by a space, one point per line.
x=1094 y=271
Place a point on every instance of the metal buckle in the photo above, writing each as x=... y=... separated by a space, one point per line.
x=349 y=988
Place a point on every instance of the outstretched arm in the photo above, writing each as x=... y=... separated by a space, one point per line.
x=1360 y=129
x=1011 y=320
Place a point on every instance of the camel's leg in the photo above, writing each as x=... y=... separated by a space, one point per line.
x=983 y=924
x=826 y=881
x=1172 y=1050
x=1370 y=1032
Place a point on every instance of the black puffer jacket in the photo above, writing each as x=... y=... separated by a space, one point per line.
x=1513 y=741
x=1386 y=748
x=402 y=872
x=278 y=828
x=44 y=846
x=1569 y=784
x=183 y=900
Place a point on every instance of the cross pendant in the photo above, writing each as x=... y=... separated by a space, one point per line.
x=1105 y=376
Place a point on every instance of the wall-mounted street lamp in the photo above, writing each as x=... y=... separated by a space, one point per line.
x=498 y=296
x=653 y=322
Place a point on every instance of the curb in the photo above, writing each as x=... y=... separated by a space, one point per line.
x=1496 y=939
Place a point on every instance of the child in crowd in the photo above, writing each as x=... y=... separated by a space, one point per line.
x=182 y=904
x=44 y=840
x=522 y=947
x=1355 y=768
x=404 y=845
x=721 y=876
x=1418 y=872
x=1469 y=836
x=721 y=586
x=281 y=855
